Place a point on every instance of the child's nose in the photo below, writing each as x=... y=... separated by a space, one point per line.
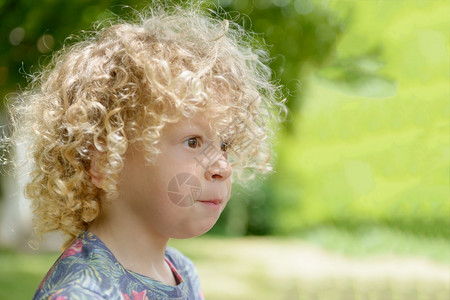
x=219 y=170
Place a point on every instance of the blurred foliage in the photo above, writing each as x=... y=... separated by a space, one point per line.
x=366 y=143
x=371 y=142
x=369 y=146
x=31 y=30
x=301 y=37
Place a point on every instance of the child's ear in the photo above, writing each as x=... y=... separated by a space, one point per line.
x=96 y=175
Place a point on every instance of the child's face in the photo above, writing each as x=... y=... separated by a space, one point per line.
x=184 y=191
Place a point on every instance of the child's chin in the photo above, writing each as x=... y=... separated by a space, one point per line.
x=195 y=230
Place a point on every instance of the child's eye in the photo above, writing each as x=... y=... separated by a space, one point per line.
x=192 y=142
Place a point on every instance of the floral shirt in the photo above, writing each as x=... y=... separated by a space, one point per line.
x=88 y=270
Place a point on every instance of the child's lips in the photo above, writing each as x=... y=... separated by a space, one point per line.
x=212 y=202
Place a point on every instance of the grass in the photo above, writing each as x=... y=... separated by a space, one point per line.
x=21 y=273
x=283 y=268
x=289 y=268
x=368 y=240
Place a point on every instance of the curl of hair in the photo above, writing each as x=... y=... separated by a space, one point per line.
x=123 y=84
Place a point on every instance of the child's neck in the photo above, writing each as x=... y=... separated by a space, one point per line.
x=137 y=250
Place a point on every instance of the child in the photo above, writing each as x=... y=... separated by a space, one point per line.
x=134 y=132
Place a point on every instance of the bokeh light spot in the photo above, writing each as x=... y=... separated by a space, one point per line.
x=281 y=3
x=303 y=7
x=16 y=36
x=45 y=43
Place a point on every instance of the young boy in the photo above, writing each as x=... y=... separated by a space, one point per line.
x=134 y=132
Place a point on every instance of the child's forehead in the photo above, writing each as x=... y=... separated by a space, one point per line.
x=200 y=123
x=199 y=120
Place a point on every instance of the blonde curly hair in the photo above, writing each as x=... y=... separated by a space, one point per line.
x=122 y=84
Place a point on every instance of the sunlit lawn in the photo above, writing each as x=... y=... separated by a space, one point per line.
x=287 y=268
x=20 y=273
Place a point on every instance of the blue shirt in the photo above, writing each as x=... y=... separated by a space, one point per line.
x=87 y=269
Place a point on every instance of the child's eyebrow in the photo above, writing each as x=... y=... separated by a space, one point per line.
x=184 y=129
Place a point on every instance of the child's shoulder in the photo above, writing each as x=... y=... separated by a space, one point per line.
x=84 y=269
x=87 y=269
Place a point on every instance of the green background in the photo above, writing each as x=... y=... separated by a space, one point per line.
x=366 y=142
x=363 y=159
